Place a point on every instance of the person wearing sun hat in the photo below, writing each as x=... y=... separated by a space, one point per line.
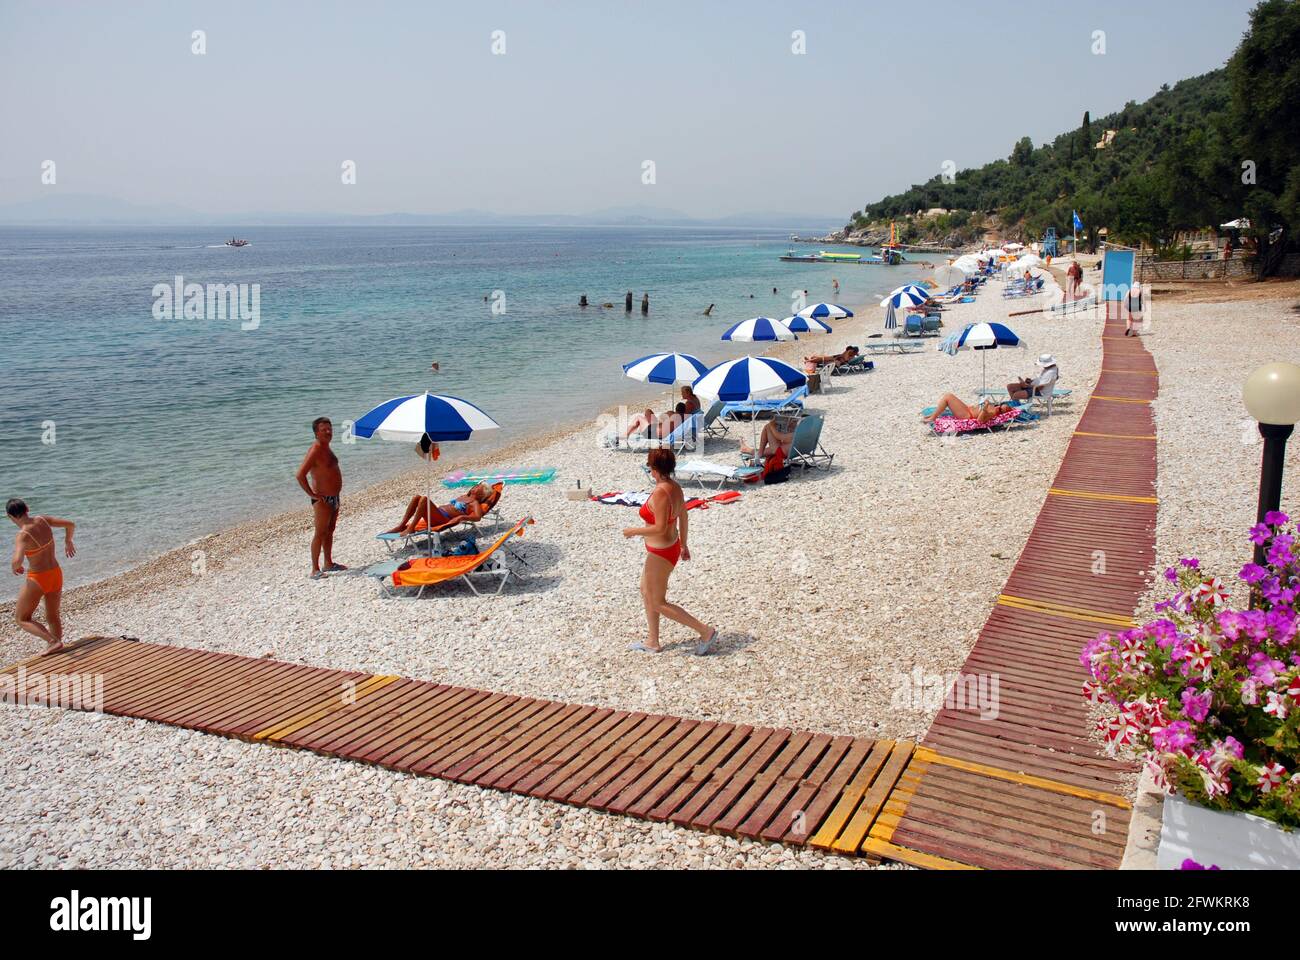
x=1048 y=374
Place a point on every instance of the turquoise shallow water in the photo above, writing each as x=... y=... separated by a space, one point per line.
x=169 y=429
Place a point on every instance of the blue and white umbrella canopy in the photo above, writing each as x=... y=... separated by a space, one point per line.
x=909 y=296
x=982 y=337
x=826 y=311
x=891 y=318
x=759 y=329
x=915 y=288
x=802 y=324
x=748 y=378
x=986 y=336
x=410 y=418
x=670 y=368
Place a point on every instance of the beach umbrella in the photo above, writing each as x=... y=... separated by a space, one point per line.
x=759 y=328
x=914 y=288
x=802 y=324
x=950 y=276
x=982 y=337
x=904 y=297
x=748 y=378
x=891 y=318
x=669 y=368
x=408 y=419
x=826 y=311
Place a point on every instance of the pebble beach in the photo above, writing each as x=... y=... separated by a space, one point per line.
x=830 y=592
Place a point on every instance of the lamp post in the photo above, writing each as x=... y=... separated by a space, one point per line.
x=1272 y=395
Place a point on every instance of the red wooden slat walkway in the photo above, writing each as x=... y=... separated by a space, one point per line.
x=1024 y=788
x=1029 y=788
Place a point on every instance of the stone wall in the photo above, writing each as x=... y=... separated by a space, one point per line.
x=1218 y=269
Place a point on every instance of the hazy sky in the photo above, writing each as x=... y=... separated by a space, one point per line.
x=585 y=92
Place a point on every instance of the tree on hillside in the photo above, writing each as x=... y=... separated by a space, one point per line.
x=1022 y=152
x=1085 y=135
x=1264 y=76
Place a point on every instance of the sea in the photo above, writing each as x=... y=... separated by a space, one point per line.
x=150 y=428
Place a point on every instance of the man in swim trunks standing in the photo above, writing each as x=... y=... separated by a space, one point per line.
x=322 y=480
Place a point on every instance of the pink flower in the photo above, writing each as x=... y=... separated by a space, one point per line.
x=1132 y=651
x=1249 y=692
x=1270 y=776
x=1092 y=691
x=1175 y=738
x=1196 y=705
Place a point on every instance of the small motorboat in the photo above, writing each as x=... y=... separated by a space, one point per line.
x=233 y=242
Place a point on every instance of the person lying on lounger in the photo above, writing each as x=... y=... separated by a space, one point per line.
x=951 y=406
x=848 y=354
x=644 y=423
x=671 y=420
x=778 y=434
x=470 y=506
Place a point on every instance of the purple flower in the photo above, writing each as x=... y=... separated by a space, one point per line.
x=1233 y=746
x=1280 y=555
x=1174 y=738
x=1252 y=573
x=1196 y=705
x=1190 y=563
x=1275 y=518
x=1259 y=534
x=1171 y=574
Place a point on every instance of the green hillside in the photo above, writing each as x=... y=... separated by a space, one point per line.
x=1182 y=160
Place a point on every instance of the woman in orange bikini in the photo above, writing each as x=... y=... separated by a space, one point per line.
x=665 y=544
x=35 y=545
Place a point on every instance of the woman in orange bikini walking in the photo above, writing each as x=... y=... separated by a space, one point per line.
x=665 y=544
x=35 y=545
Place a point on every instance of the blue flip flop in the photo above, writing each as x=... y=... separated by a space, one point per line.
x=707 y=646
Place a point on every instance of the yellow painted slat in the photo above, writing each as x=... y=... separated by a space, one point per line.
x=849 y=797
x=1119 y=399
x=1061 y=610
x=914 y=858
x=1028 y=780
x=1108 y=497
x=856 y=830
x=321 y=708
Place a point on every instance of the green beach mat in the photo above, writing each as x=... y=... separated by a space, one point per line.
x=462 y=478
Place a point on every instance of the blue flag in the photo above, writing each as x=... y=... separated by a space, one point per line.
x=1078 y=224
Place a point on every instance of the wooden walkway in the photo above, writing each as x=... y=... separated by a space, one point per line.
x=1026 y=788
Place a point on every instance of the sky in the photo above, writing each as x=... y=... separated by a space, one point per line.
x=564 y=120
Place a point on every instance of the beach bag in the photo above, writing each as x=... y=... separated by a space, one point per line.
x=773 y=465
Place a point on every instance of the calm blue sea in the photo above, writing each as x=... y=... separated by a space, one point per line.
x=166 y=430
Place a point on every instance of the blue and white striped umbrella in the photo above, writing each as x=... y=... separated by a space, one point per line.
x=982 y=337
x=802 y=324
x=909 y=296
x=410 y=418
x=759 y=328
x=891 y=318
x=670 y=368
x=748 y=378
x=986 y=336
x=914 y=288
x=826 y=311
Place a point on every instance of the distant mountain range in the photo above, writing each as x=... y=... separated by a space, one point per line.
x=73 y=209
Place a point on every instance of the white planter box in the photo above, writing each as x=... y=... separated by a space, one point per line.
x=1229 y=841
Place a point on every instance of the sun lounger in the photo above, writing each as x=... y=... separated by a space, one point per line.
x=893 y=346
x=912 y=327
x=930 y=325
x=713 y=424
x=953 y=426
x=424 y=572
x=766 y=408
x=706 y=472
x=858 y=364
x=461 y=478
x=806 y=449
x=683 y=438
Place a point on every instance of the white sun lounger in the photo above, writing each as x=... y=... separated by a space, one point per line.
x=706 y=473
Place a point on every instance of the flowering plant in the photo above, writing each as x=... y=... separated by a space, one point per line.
x=1211 y=695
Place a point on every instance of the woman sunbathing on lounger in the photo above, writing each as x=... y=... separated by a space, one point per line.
x=773 y=438
x=644 y=423
x=470 y=506
x=848 y=354
x=951 y=406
